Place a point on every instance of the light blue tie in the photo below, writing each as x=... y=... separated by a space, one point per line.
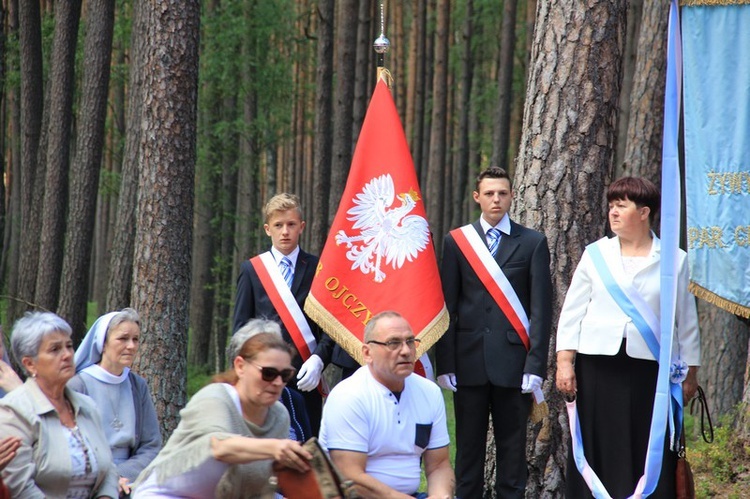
x=493 y=240
x=285 y=266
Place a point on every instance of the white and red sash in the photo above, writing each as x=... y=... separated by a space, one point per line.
x=283 y=301
x=493 y=278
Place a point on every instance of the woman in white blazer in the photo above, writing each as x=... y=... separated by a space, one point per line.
x=603 y=359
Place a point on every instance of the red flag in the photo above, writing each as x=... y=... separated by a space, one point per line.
x=379 y=254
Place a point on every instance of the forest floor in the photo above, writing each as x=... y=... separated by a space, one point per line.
x=722 y=468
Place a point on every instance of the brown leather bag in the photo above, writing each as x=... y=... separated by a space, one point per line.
x=322 y=481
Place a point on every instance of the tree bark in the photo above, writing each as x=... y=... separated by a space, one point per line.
x=31 y=186
x=362 y=68
x=461 y=171
x=88 y=159
x=630 y=56
x=566 y=154
x=121 y=260
x=342 y=119
x=415 y=93
x=51 y=244
x=207 y=191
x=501 y=136
x=323 y=123
x=167 y=154
x=646 y=119
x=436 y=168
x=724 y=351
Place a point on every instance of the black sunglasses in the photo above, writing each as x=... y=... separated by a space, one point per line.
x=271 y=373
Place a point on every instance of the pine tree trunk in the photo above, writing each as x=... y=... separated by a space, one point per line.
x=32 y=181
x=85 y=172
x=323 y=122
x=121 y=260
x=635 y=8
x=342 y=119
x=645 y=124
x=724 y=351
x=167 y=155
x=51 y=242
x=566 y=154
x=415 y=94
x=437 y=168
x=461 y=190
x=501 y=142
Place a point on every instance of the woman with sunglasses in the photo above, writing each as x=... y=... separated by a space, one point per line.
x=232 y=430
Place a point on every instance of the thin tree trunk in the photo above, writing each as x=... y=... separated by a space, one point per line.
x=167 y=154
x=121 y=260
x=461 y=172
x=415 y=98
x=11 y=231
x=323 y=122
x=646 y=117
x=30 y=41
x=52 y=236
x=437 y=165
x=427 y=84
x=342 y=119
x=501 y=137
x=88 y=159
x=362 y=68
x=629 y=73
x=567 y=149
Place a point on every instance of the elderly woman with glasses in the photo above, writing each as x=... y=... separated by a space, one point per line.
x=232 y=430
x=63 y=451
x=103 y=362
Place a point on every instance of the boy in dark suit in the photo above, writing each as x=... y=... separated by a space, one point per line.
x=494 y=353
x=274 y=285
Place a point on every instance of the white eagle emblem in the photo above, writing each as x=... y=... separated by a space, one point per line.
x=392 y=234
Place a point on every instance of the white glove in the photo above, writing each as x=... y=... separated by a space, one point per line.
x=309 y=374
x=447 y=381
x=531 y=382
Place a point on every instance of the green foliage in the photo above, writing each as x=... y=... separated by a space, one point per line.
x=198 y=377
x=719 y=463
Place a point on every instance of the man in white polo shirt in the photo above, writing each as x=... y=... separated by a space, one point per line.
x=382 y=421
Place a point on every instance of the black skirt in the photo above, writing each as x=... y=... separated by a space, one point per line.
x=615 y=399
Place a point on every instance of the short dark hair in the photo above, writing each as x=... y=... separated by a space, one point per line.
x=492 y=172
x=639 y=190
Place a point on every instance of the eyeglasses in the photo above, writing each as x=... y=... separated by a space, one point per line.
x=394 y=345
x=271 y=373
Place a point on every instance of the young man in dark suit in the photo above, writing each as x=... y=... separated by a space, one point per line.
x=494 y=353
x=286 y=272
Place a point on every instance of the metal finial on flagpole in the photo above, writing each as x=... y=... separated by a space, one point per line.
x=381 y=46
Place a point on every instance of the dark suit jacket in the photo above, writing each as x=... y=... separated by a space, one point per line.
x=481 y=345
x=252 y=302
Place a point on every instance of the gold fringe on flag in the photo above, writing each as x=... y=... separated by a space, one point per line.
x=318 y=313
x=711 y=297
x=385 y=75
x=334 y=328
x=697 y=3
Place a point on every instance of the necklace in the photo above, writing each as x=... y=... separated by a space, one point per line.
x=115 y=423
x=76 y=432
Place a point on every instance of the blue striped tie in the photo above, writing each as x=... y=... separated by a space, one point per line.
x=493 y=240
x=285 y=266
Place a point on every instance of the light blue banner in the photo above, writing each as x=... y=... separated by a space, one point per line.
x=716 y=70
